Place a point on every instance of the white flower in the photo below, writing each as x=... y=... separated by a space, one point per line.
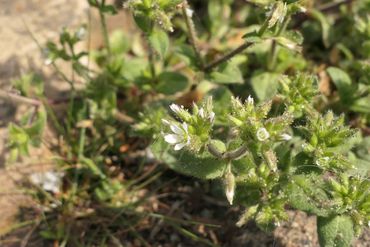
x=262 y=134
x=180 y=136
x=206 y=115
x=176 y=109
x=285 y=137
x=250 y=100
x=49 y=181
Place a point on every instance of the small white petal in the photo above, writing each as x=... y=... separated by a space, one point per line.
x=176 y=129
x=164 y=121
x=172 y=139
x=179 y=146
x=201 y=112
x=185 y=126
x=212 y=117
x=285 y=137
x=175 y=108
x=250 y=100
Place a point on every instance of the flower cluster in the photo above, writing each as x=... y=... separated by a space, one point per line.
x=325 y=135
x=180 y=136
x=194 y=130
x=148 y=12
x=253 y=124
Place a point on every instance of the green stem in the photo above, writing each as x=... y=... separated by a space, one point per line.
x=271 y=63
x=151 y=58
x=192 y=33
x=237 y=153
x=235 y=52
x=230 y=155
x=104 y=28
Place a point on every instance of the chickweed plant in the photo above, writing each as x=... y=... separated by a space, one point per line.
x=270 y=98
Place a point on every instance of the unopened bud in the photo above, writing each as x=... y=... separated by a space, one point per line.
x=271 y=160
x=284 y=137
x=230 y=186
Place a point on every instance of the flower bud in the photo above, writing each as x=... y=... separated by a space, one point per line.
x=262 y=134
x=284 y=137
x=271 y=160
x=277 y=14
x=230 y=186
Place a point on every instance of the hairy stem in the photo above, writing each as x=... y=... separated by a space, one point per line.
x=231 y=155
x=235 y=52
x=151 y=58
x=104 y=27
x=273 y=52
x=192 y=33
x=229 y=55
x=214 y=151
x=237 y=153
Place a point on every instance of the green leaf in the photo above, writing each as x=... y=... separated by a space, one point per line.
x=36 y=130
x=252 y=37
x=295 y=36
x=335 y=231
x=143 y=22
x=93 y=167
x=361 y=105
x=265 y=84
x=343 y=83
x=109 y=9
x=221 y=102
x=228 y=73
x=288 y=43
x=134 y=68
x=186 y=53
x=119 y=42
x=325 y=26
x=202 y=166
x=307 y=196
x=160 y=42
x=171 y=83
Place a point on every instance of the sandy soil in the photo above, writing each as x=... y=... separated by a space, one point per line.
x=20 y=20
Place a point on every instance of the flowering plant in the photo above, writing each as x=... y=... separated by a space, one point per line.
x=269 y=162
x=269 y=99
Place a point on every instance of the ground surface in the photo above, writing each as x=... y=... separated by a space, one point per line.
x=19 y=54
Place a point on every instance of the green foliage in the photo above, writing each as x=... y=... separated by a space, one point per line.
x=28 y=133
x=335 y=231
x=248 y=113
x=160 y=42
